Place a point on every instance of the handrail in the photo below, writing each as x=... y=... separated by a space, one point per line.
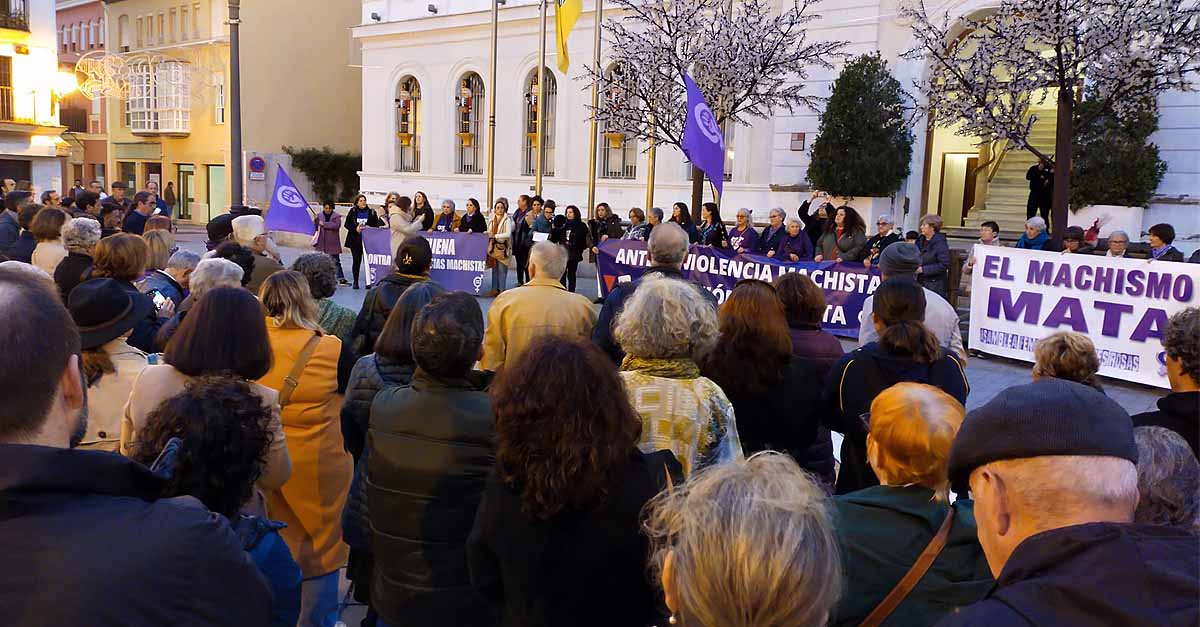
x=995 y=169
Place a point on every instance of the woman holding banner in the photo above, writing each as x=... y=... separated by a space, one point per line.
x=423 y=211
x=681 y=216
x=772 y=234
x=743 y=238
x=604 y=226
x=359 y=217
x=795 y=245
x=845 y=237
x=712 y=229
x=472 y=221
x=499 y=246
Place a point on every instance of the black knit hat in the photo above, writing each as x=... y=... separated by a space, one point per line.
x=414 y=256
x=1047 y=417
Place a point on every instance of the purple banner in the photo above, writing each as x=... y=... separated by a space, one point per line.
x=459 y=259
x=717 y=270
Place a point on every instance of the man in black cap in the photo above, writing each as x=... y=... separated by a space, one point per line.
x=900 y=261
x=88 y=538
x=1052 y=470
x=220 y=228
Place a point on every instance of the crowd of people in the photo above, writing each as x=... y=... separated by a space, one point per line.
x=242 y=439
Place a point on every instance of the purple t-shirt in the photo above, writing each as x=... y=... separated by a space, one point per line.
x=744 y=239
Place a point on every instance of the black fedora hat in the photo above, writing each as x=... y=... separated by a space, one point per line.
x=104 y=311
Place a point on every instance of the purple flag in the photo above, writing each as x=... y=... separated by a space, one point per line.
x=288 y=210
x=703 y=141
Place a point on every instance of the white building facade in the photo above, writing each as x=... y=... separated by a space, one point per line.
x=425 y=88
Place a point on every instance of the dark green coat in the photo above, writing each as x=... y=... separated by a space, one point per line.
x=882 y=530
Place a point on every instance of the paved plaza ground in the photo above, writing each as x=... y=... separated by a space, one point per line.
x=987 y=377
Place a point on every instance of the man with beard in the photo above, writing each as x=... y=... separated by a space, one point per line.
x=108 y=549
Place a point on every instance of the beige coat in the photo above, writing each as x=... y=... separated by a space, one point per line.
x=107 y=398
x=403 y=226
x=47 y=256
x=540 y=307
x=159 y=383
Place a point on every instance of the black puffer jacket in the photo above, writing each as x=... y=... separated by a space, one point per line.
x=370 y=375
x=376 y=307
x=430 y=450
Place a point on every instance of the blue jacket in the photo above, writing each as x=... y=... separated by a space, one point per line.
x=161 y=282
x=87 y=540
x=22 y=249
x=10 y=229
x=615 y=303
x=768 y=242
x=1037 y=243
x=261 y=540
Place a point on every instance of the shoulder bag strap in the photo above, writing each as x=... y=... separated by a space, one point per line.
x=913 y=576
x=293 y=379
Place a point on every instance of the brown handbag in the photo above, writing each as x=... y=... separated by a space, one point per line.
x=912 y=577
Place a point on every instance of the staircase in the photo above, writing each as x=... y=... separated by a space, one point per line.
x=1009 y=191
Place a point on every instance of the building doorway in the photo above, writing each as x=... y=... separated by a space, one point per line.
x=216 y=190
x=127 y=174
x=957 y=190
x=187 y=190
x=154 y=173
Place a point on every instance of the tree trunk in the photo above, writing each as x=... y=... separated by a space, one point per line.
x=697 y=192
x=1063 y=145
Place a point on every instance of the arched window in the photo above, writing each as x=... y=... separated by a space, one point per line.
x=408 y=125
x=531 y=143
x=468 y=108
x=618 y=148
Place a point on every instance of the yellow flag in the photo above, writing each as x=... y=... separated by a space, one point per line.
x=565 y=15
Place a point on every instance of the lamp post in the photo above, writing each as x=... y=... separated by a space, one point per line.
x=235 y=104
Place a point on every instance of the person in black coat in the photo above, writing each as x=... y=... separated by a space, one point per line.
x=1179 y=411
x=1041 y=189
x=906 y=351
x=776 y=397
x=773 y=234
x=411 y=266
x=815 y=222
x=423 y=210
x=22 y=248
x=390 y=366
x=429 y=452
x=683 y=217
x=557 y=538
x=522 y=236
x=605 y=226
x=359 y=216
x=160 y=562
x=881 y=240
x=10 y=227
x=934 y=271
x=472 y=221
x=572 y=233
x=1161 y=238
x=712 y=229
x=79 y=238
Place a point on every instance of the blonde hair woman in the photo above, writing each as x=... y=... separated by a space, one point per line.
x=160 y=244
x=883 y=529
x=1067 y=355
x=666 y=328
x=304 y=371
x=746 y=544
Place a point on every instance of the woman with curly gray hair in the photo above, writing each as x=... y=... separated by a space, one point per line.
x=746 y=544
x=1179 y=411
x=666 y=328
x=80 y=236
x=1168 y=480
x=321 y=273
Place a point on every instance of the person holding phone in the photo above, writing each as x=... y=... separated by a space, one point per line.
x=359 y=217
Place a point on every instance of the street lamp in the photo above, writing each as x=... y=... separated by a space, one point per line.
x=235 y=103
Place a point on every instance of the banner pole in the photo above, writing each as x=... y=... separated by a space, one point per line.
x=651 y=156
x=541 y=103
x=591 y=189
x=491 y=149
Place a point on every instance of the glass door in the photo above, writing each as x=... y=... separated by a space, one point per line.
x=187 y=190
x=216 y=190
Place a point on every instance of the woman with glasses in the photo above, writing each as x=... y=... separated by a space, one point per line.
x=886 y=236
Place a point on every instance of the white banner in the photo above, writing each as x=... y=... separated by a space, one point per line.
x=1020 y=296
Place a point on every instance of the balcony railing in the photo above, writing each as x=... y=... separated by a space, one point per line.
x=6 y=104
x=13 y=14
x=76 y=120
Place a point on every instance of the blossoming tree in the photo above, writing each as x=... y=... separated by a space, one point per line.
x=987 y=73
x=748 y=62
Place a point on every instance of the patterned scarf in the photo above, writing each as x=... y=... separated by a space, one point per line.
x=677 y=368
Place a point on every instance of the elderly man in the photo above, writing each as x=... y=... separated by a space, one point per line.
x=540 y=307
x=80 y=236
x=161 y=208
x=57 y=498
x=1118 y=244
x=667 y=249
x=886 y=236
x=1051 y=467
x=208 y=275
x=251 y=231
x=1179 y=411
x=172 y=281
x=900 y=261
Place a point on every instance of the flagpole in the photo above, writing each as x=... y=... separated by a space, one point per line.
x=541 y=103
x=651 y=157
x=491 y=150
x=591 y=189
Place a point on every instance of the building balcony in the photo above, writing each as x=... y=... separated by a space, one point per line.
x=14 y=15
